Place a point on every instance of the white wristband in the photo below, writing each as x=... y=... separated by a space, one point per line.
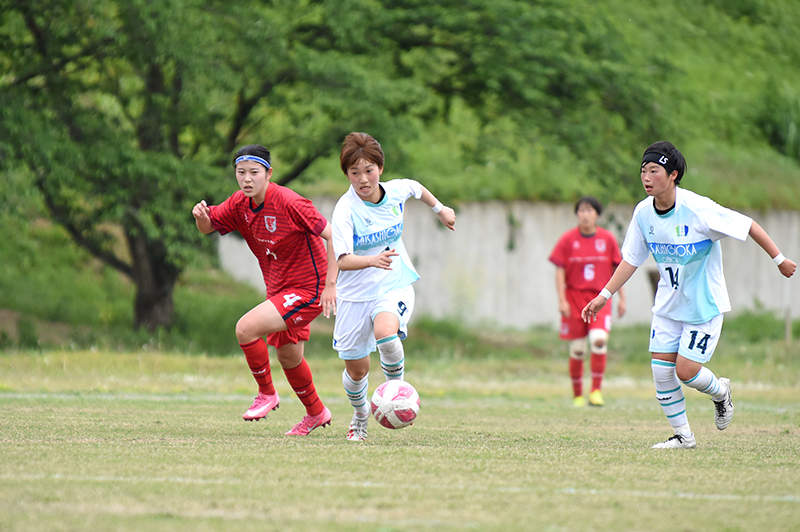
x=778 y=259
x=605 y=293
x=438 y=207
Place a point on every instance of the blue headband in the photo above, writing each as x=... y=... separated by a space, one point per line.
x=251 y=158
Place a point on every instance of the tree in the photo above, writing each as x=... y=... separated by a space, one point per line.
x=126 y=112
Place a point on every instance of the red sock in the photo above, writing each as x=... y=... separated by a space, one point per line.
x=598 y=363
x=257 y=355
x=576 y=372
x=302 y=383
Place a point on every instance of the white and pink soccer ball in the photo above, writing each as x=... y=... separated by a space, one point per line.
x=395 y=404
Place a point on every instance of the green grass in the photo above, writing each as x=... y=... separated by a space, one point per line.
x=155 y=441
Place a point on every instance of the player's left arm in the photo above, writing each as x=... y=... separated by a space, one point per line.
x=328 y=301
x=760 y=236
x=446 y=215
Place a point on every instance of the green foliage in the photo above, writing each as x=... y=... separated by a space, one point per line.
x=26 y=334
x=780 y=118
x=753 y=326
x=47 y=278
x=116 y=117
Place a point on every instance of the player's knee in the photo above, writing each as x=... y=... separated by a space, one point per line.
x=357 y=369
x=244 y=333
x=385 y=324
x=359 y=375
x=599 y=341
x=577 y=348
x=685 y=374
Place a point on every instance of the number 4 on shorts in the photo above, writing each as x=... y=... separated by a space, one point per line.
x=290 y=299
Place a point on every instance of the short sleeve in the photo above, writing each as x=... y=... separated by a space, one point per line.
x=223 y=216
x=342 y=228
x=726 y=222
x=559 y=256
x=634 y=248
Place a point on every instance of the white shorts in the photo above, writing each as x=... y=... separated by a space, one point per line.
x=693 y=341
x=353 y=334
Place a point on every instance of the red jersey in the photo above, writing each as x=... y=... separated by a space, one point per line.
x=588 y=261
x=283 y=234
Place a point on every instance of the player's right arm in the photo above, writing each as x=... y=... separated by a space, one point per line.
x=623 y=272
x=383 y=261
x=201 y=217
x=786 y=266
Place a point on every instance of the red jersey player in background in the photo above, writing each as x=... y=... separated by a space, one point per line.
x=585 y=258
x=283 y=231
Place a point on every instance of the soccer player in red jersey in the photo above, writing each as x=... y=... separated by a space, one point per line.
x=585 y=258
x=283 y=231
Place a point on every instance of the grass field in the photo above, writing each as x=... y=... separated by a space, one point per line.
x=151 y=441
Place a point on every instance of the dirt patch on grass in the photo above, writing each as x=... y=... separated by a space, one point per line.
x=48 y=332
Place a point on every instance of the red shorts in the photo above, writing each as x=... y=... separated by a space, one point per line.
x=574 y=327
x=298 y=308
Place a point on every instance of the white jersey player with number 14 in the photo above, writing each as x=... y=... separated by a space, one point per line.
x=375 y=296
x=682 y=231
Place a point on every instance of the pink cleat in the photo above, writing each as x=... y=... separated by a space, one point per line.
x=309 y=423
x=262 y=406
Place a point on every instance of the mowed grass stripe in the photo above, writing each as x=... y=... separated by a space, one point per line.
x=483 y=456
x=579 y=492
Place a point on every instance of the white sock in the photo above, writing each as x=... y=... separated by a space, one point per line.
x=392 y=357
x=357 y=393
x=670 y=395
x=706 y=382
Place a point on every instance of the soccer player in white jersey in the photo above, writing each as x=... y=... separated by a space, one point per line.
x=375 y=296
x=682 y=230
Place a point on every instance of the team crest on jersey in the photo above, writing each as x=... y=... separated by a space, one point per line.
x=397 y=209
x=271 y=223
x=600 y=245
x=681 y=230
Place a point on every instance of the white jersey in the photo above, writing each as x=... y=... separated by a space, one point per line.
x=364 y=228
x=685 y=244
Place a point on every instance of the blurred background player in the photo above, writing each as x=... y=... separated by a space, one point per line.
x=285 y=232
x=585 y=258
x=375 y=292
x=682 y=230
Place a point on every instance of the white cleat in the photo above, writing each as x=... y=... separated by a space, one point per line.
x=724 y=408
x=677 y=442
x=358 y=428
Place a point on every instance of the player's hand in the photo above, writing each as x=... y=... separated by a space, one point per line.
x=201 y=211
x=787 y=267
x=563 y=308
x=589 y=312
x=448 y=217
x=621 y=308
x=384 y=260
x=328 y=301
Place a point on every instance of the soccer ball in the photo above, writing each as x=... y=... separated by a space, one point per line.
x=395 y=404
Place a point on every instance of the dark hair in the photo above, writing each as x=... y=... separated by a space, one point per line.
x=360 y=146
x=666 y=148
x=253 y=149
x=592 y=202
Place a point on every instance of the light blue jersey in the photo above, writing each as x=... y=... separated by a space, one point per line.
x=685 y=245
x=364 y=228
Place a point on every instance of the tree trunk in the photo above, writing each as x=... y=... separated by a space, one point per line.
x=154 y=278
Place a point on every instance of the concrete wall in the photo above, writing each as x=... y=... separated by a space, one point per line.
x=493 y=270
